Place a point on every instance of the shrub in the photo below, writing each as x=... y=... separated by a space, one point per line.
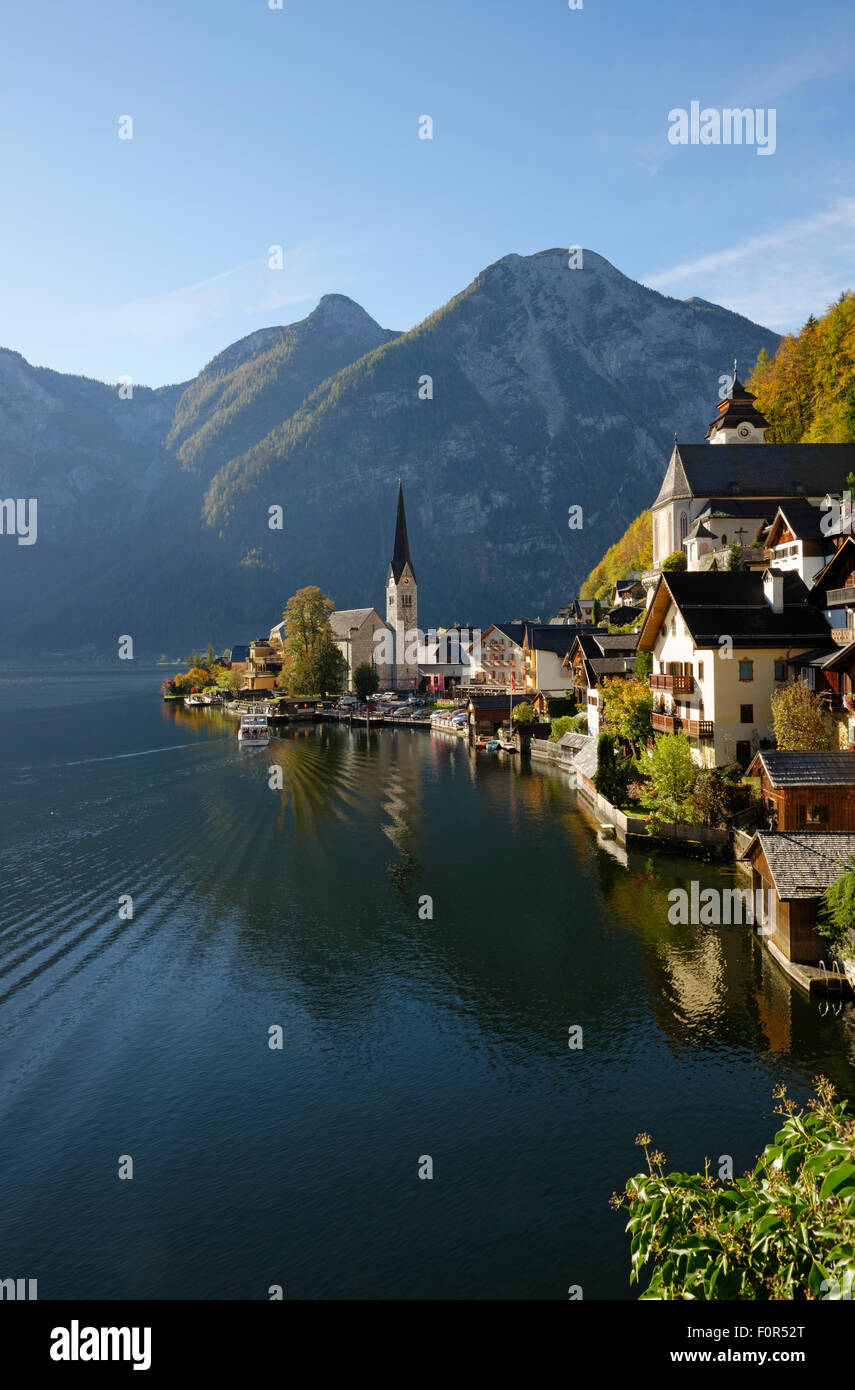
x=717 y=795
x=523 y=714
x=675 y=561
x=561 y=726
x=784 y=1231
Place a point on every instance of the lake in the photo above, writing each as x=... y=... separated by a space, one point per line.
x=403 y=1036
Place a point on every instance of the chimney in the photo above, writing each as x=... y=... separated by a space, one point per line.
x=773 y=590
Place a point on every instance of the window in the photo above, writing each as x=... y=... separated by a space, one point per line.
x=780 y=670
x=746 y=670
x=684 y=526
x=813 y=815
x=746 y=714
x=673 y=627
x=700 y=670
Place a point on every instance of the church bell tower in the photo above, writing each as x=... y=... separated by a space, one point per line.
x=402 y=602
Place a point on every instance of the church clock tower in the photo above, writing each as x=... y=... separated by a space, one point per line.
x=738 y=420
x=402 y=602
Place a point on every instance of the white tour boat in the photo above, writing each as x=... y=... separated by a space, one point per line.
x=254 y=731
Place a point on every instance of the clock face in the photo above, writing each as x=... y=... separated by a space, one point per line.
x=744 y=431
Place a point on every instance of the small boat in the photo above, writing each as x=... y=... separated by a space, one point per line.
x=254 y=731
x=491 y=745
x=195 y=701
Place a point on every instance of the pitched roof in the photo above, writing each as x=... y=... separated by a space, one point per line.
x=609 y=665
x=550 y=638
x=498 y=701
x=789 y=769
x=401 y=551
x=515 y=632
x=801 y=518
x=803 y=864
x=713 y=603
x=240 y=653
x=615 y=641
x=755 y=470
x=343 y=619
x=585 y=760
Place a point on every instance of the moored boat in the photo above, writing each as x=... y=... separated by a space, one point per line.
x=254 y=731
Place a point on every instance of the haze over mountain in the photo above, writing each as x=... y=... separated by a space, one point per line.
x=551 y=388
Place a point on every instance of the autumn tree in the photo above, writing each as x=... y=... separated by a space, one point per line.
x=627 y=706
x=312 y=663
x=798 y=718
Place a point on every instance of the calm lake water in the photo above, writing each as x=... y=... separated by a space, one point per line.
x=402 y=1037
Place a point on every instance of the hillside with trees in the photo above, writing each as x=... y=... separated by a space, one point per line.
x=807 y=390
x=634 y=551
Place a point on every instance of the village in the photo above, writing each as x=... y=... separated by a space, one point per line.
x=708 y=705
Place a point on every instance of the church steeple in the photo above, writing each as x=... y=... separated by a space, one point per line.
x=738 y=420
x=401 y=552
x=402 y=603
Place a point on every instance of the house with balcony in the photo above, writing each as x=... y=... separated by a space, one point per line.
x=545 y=645
x=501 y=665
x=812 y=791
x=593 y=658
x=721 y=645
x=263 y=665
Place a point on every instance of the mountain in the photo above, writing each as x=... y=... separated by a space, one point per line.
x=549 y=388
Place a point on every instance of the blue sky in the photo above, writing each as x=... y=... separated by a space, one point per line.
x=299 y=127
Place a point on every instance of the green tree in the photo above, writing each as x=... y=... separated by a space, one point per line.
x=627 y=707
x=523 y=713
x=596 y=611
x=798 y=718
x=210 y=659
x=672 y=772
x=734 y=557
x=643 y=667
x=674 y=562
x=604 y=777
x=837 y=913
x=365 y=681
x=319 y=671
x=613 y=770
x=785 y=1231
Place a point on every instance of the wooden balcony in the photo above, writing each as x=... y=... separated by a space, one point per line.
x=843 y=635
x=698 y=728
x=836 y=598
x=664 y=723
x=678 y=685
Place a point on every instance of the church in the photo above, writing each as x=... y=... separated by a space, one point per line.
x=728 y=490
x=361 y=633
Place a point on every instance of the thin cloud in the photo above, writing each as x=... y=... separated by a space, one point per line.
x=779 y=277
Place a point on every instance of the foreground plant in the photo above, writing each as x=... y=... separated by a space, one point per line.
x=786 y=1230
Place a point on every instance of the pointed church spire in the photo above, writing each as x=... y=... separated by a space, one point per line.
x=401 y=552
